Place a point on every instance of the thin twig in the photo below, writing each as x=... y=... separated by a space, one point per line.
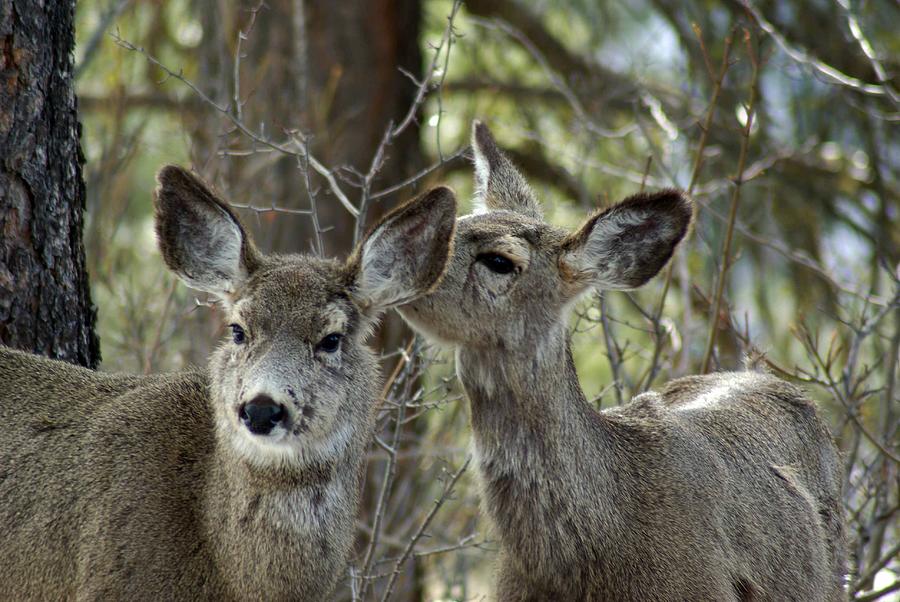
x=295 y=136
x=872 y=596
x=163 y=320
x=448 y=488
x=461 y=152
x=401 y=362
x=242 y=35
x=115 y=8
x=717 y=79
x=613 y=351
x=735 y=201
x=429 y=75
x=555 y=78
x=891 y=554
x=388 y=479
x=803 y=57
x=391 y=133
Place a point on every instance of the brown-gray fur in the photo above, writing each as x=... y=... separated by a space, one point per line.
x=119 y=487
x=724 y=487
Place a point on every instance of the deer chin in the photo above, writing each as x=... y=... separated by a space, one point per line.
x=418 y=315
x=283 y=449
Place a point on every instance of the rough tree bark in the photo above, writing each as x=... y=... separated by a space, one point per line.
x=45 y=302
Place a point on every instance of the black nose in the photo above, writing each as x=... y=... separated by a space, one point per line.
x=261 y=414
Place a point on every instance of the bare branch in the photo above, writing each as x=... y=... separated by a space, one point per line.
x=448 y=489
x=803 y=57
x=295 y=137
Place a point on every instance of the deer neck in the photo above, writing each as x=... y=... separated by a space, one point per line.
x=284 y=494
x=530 y=392
x=542 y=450
x=296 y=521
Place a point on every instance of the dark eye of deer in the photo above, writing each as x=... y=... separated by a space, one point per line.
x=330 y=343
x=497 y=263
x=238 y=334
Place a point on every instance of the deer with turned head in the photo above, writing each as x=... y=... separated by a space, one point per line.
x=725 y=487
x=238 y=482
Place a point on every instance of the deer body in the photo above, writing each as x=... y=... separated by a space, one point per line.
x=724 y=487
x=111 y=500
x=655 y=500
x=238 y=482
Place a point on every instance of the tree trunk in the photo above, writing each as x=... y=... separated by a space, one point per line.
x=45 y=301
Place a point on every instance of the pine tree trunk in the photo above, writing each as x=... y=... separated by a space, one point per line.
x=45 y=302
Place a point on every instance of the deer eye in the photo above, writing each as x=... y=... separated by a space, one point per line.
x=499 y=264
x=330 y=343
x=237 y=334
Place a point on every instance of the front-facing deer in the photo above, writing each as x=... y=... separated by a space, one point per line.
x=239 y=482
x=716 y=488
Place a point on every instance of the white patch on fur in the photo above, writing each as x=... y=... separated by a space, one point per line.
x=283 y=449
x=513 y=248
x=479 y=207
x=482 y=177
x=334 y=319
x=709 y=399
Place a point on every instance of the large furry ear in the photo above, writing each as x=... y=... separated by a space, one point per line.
x=200 y=238
x=405 y=255
x=626 y=245
x=498 y=184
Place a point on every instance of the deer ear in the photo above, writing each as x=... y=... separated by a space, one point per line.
x=626 y=245
x=405 y=255
x=201 y=240
x=498 y=184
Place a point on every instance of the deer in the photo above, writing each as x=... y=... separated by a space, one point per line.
x=721 y=487
x=240 y=481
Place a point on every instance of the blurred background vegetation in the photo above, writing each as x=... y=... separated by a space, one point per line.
x=781 y=118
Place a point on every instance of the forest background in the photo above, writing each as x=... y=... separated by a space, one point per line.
x=314 y=117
